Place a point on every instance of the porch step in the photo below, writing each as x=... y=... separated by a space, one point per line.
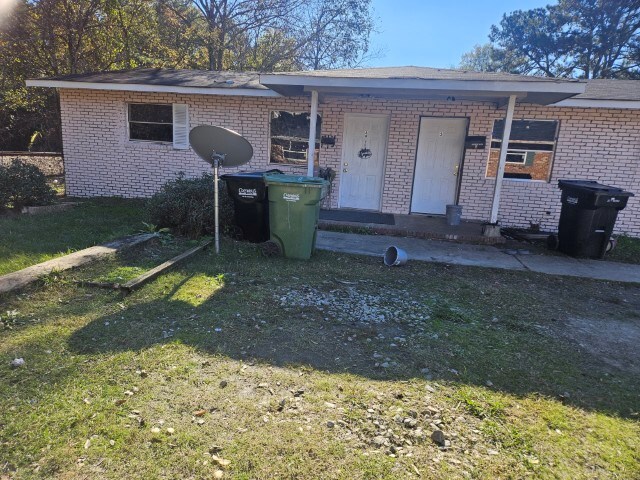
x=417 y=226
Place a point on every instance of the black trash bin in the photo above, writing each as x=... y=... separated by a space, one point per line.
x=251 y=203
x=588 y=215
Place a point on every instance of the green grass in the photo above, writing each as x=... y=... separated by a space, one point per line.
x=30 y=239
x=485 y=355
x=627 y=250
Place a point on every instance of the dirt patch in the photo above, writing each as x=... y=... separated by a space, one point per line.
x=614 y=342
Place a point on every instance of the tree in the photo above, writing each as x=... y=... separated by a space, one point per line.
x=228 y=21
x=336 y=34
x=271 y=35
x=483 y=58
x=605 y=35
x=575 y=38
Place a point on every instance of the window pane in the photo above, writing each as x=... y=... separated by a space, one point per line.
x=157 y=132
x=516 y=157
x=290 y=137
x=527 y=130
x=530 y=153
x=149 y=112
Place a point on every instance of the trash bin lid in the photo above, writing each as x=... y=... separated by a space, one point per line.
x=592 y=186
x=252 y=175
x=295 y=179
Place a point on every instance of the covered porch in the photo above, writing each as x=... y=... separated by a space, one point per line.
x=409 y=141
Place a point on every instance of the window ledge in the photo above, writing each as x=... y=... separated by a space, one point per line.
x=147 y=143
x=519 y=180
x=275 y=164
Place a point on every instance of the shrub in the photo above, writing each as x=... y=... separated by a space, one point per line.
x=23 y=185
x=186 y=206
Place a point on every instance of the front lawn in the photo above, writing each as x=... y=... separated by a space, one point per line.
x=248 y=367
x=29 y=239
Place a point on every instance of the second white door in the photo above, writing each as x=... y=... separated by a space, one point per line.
x=438 y=160
x=364 y=149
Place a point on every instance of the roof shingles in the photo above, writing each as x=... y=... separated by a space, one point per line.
x=616 y=90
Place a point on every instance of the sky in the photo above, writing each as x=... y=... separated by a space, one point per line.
x=432 y=33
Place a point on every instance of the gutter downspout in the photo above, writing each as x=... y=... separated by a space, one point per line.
x=313 y=121
x=506 y=136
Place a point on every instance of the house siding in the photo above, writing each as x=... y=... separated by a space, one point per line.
x=598 y=144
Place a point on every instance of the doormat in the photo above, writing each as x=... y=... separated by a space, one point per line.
x=357 y=217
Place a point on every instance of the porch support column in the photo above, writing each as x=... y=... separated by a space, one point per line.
x=506 y=135
x=311 y=153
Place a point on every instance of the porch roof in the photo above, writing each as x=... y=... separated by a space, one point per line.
x=425 y=82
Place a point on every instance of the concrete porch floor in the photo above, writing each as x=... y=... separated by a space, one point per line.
x=418 y=226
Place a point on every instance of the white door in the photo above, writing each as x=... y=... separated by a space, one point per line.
x=440 y=150
x=364 y=149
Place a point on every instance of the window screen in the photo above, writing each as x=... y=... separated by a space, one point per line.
x=150 y=122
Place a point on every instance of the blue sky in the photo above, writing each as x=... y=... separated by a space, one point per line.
x=436 y=33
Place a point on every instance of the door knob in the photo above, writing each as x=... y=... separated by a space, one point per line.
x=344 y=170
x=456 y=170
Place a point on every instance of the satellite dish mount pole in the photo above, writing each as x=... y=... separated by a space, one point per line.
x=217 y=159
x=208 y=141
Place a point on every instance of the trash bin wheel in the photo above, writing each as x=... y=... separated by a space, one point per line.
x=552 y=242
x=270 y=249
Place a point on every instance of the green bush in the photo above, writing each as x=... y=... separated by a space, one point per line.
x=186 y=206
x=23 y=185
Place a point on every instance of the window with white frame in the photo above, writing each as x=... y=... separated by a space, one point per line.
x=530 y=153
x=150 y=122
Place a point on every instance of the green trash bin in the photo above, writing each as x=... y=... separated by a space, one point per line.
x=294 y=209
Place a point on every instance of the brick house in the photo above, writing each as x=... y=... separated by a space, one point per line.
x=402 y=140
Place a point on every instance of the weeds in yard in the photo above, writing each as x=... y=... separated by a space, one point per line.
x=627 y=250
x=481 y=404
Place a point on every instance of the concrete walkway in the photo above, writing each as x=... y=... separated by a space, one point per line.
x=477 y=256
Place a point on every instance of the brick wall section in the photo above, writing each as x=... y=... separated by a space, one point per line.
x=597 y=144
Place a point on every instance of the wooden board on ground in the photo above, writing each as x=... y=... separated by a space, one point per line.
x=21 y=278
x=154 y=272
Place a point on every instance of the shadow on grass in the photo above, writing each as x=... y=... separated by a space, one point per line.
x=460 y=340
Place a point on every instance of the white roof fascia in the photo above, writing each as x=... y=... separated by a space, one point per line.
x=419 y=84
x=138 y=87
x=590 y=103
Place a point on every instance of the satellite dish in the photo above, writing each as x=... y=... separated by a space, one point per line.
x=220 y=147
x=209 y=141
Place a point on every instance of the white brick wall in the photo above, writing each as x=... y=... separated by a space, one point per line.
x=596 y=144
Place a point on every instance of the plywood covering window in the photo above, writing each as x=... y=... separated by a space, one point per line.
x=290 y=137
x=530 y=153
x=150 y=122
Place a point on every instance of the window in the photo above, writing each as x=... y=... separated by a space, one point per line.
x=530 y=153
x=151 y=122
x=290 y=137
x=519 y=158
